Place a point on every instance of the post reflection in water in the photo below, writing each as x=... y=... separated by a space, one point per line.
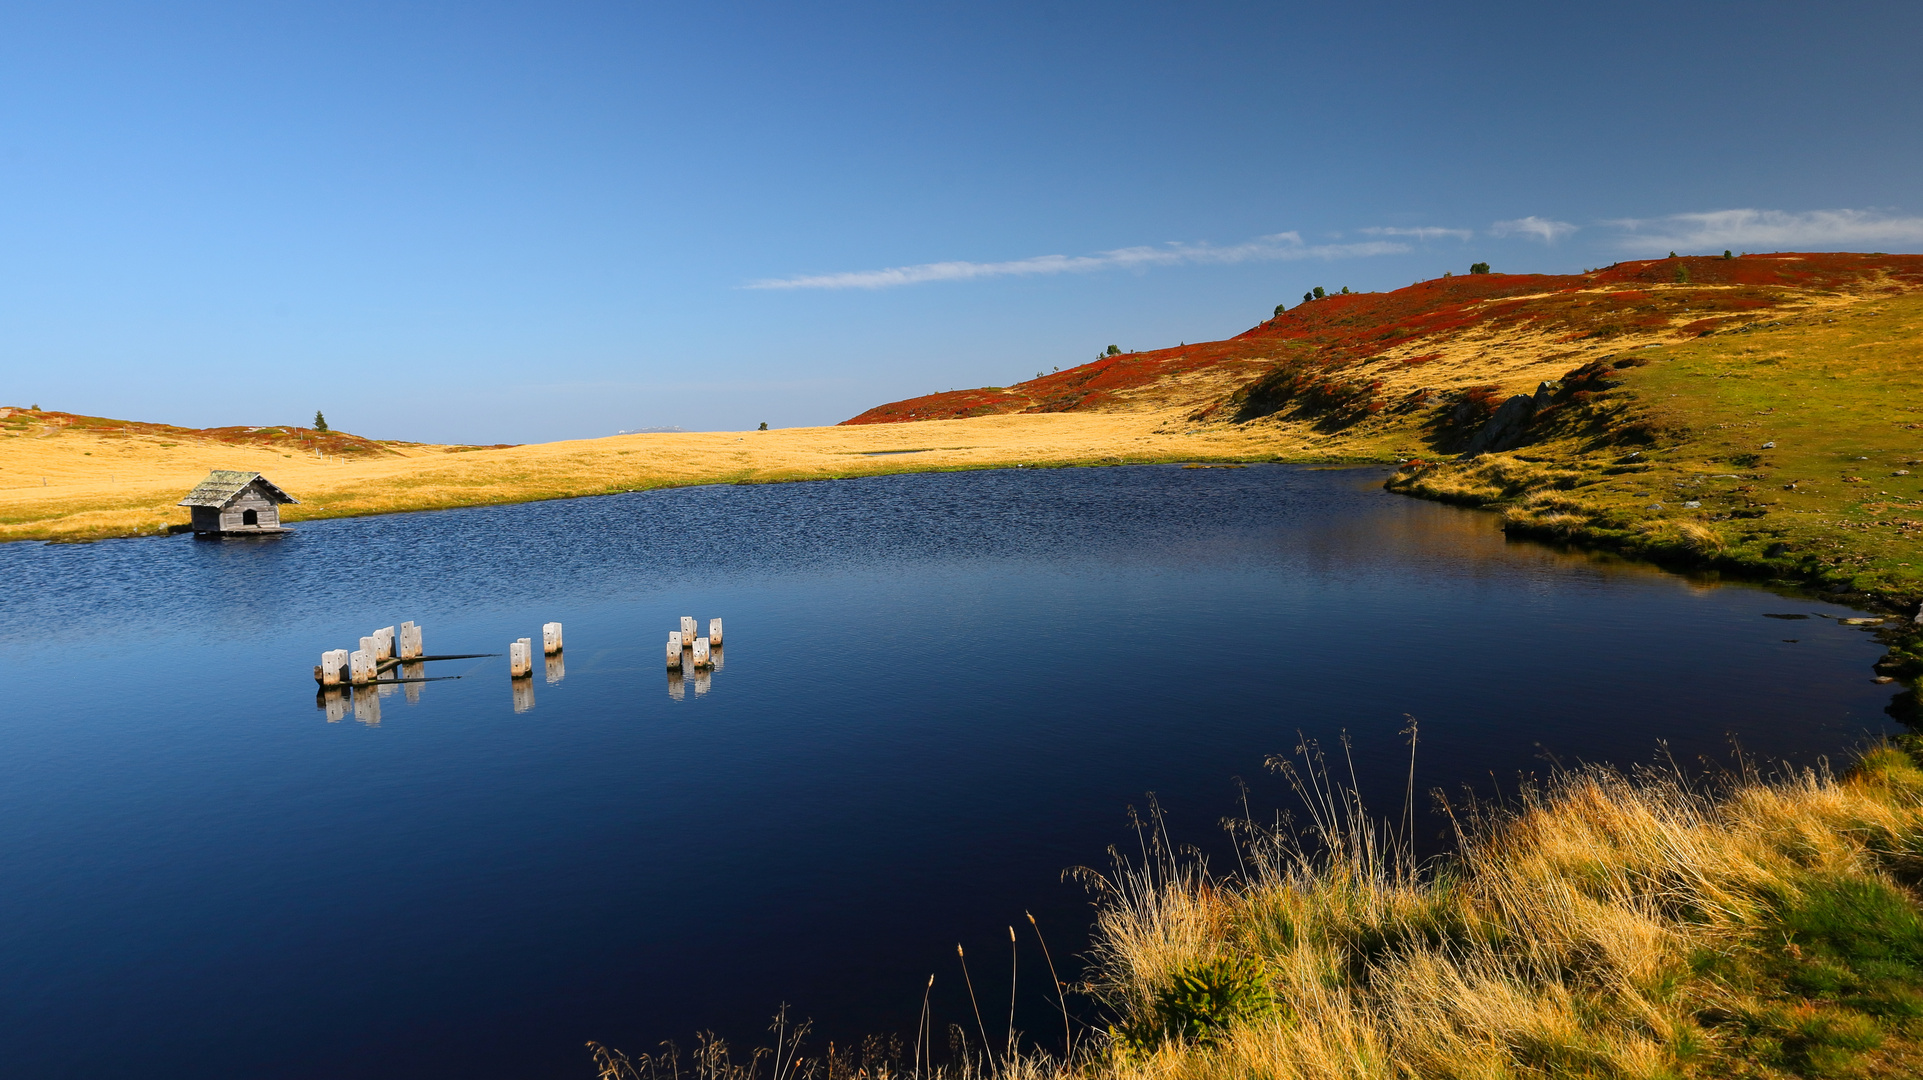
x=557 y=670
x=523 y=694
x=367 y=707
x=686 y=671
x=333 y=701
x=413 y=690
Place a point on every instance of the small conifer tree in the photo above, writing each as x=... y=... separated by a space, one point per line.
x=1319 y=294
x=763 y=427
x=1479 y=268
x=320 y=422
x=1279 y=309
x=1114 y=351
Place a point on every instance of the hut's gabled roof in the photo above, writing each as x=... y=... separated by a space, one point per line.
x=223 y=485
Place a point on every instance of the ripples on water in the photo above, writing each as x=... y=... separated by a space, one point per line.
x=938 y=692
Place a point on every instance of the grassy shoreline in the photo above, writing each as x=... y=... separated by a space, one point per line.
x=1791 y=456
x=1604 y=924
x=106 y=486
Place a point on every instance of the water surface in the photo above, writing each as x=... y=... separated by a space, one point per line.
x=937 y=693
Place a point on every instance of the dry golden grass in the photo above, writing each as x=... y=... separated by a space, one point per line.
x=1605 y=927
x=105 y=485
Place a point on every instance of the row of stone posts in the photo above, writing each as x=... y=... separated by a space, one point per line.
x=362 y=666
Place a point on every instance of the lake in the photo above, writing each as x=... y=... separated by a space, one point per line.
x=937 y=693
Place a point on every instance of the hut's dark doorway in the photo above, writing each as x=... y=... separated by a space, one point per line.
x=250 y=517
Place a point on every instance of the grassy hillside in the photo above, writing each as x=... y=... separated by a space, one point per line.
x=1666 y=378
x=1352 y=358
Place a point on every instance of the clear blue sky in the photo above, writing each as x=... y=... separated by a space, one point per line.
x=516 y=221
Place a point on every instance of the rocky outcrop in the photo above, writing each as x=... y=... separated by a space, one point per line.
x=1505 y=429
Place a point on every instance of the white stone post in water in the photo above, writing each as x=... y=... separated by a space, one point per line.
x=519 y=663
x=701 y=659
x=551 y=638
x=674 y=649
x=361 y=667
x=410 y=641
x=384 y=643
x=333 y=663
x=714 y=632
x=687 y=631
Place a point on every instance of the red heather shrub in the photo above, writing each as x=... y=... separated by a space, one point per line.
x=1488 y=398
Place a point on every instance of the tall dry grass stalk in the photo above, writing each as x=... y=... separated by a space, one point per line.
x=874 y=1058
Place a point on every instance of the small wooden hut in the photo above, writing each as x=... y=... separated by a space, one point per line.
x=232 y=503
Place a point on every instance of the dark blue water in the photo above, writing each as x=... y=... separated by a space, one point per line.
x=937 y=693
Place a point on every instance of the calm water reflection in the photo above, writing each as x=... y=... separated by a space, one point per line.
x=940 y=691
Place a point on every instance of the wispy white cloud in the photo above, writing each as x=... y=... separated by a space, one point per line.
x=1421 y=232
x=1770 y=230
x=1541 y=228
x=1286 y=245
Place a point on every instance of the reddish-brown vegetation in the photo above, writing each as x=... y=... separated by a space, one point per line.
x=1299 y=355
